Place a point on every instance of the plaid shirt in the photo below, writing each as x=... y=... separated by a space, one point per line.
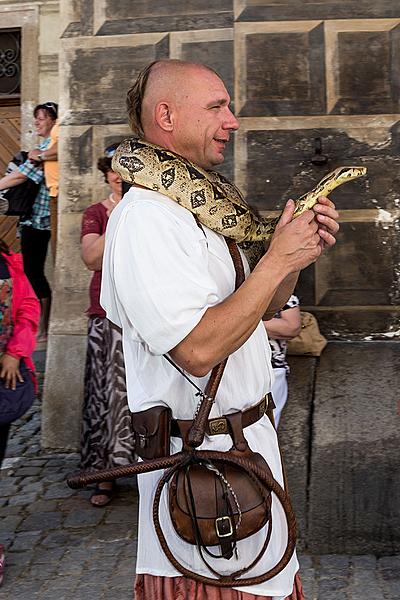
x=40 y=216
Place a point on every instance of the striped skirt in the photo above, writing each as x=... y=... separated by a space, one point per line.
x=150 y=587
x=107 y=439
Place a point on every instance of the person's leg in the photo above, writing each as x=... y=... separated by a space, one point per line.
x=34 y=244
x=279 y=393
x=4 y=431
x=53 y=226
x=93 y=444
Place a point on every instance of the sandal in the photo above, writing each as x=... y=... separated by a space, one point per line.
x=103 y=495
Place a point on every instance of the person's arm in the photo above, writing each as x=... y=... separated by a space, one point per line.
x=12 y=179
x=285 y=327
x=23 y=339
x=43 y=155
x=92 y=249
x=225 y=327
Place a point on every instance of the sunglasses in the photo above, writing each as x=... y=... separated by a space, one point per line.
x=109 y=152
x=50 y=106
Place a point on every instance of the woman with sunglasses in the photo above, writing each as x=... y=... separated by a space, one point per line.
x=106 y=435
x=35 y=228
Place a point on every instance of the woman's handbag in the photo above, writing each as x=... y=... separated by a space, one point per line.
x=17 y=201
x=310 y=341
x=15 y=403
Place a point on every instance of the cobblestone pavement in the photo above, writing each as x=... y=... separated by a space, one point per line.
x=60 y=548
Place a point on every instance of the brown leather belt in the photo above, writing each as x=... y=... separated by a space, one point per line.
x=220 y=425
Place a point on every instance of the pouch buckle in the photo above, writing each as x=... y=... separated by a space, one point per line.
x=224 y=527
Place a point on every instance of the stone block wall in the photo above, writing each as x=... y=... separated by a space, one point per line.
x=340 y=437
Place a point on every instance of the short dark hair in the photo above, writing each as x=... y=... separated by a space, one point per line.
x=50 y=107
x=104 y=162
x=134 y=99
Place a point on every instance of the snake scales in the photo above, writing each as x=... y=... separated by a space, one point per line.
x=215 y=201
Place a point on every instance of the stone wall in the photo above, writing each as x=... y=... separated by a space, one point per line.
x=340 y=437
x=309 y=97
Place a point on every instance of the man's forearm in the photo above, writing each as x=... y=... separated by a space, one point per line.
x=12 y=179
x=283 y=293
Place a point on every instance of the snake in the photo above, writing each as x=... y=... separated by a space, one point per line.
x=216 y=202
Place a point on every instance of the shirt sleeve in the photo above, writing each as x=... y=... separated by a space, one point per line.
x=30 y=170
x=91 y=221
x=161 y=275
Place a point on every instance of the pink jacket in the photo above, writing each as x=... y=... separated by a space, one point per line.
x=25 y=313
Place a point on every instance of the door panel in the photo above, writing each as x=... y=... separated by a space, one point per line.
x=10 y=143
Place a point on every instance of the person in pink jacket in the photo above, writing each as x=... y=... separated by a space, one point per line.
x=19 y=321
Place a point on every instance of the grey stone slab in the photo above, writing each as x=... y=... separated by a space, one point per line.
x=58 y=490
x=123 y=514
x=40 y=506
x=59 y=405
x=54 y=476
x=30 y=471
x=355 y=468
x=25 y=540
x=8 y=487
x=41 y=522
x=49 y=555
x=9 y=524
x=23 y=499
x=84 y=518
x=113 y=533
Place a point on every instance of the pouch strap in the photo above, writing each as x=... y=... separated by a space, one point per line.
x=197 y=431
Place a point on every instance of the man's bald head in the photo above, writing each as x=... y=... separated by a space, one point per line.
x=163 y=80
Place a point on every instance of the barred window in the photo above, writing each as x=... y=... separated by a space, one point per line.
x=10 y=64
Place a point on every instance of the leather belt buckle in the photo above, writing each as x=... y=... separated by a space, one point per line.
x=218 y=426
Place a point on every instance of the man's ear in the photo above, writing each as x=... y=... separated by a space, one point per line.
x=163 y=116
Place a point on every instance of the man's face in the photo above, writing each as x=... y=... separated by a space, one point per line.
x=43 y=122
x=203 y=119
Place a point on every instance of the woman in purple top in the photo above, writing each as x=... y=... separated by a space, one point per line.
x=107 y=439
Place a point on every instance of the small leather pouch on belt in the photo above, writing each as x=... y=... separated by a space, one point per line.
x=152 y=430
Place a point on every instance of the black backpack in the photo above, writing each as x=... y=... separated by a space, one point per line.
x=17 y=201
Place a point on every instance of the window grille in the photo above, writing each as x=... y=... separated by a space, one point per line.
x=10 y=64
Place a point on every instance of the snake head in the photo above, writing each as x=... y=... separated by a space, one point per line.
x=343 y=174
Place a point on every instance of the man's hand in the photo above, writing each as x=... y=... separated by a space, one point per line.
x=295 y=243
x=326 y=216
x=9 y=371
x=33 y=155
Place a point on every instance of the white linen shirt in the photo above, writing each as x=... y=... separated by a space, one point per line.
x=161 y=272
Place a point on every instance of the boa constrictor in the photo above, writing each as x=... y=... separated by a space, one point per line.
x=216 y=202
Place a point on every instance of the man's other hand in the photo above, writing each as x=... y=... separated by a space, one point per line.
x=326 y=216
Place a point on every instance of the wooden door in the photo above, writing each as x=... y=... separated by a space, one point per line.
x=10 y=143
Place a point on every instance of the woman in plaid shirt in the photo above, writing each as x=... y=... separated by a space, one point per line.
x=35 y=228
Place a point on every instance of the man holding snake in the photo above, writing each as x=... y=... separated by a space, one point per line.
x=169 y=284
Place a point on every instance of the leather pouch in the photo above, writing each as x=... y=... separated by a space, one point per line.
x=152 y=429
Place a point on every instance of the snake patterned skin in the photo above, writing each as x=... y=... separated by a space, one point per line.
x=215 y=201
